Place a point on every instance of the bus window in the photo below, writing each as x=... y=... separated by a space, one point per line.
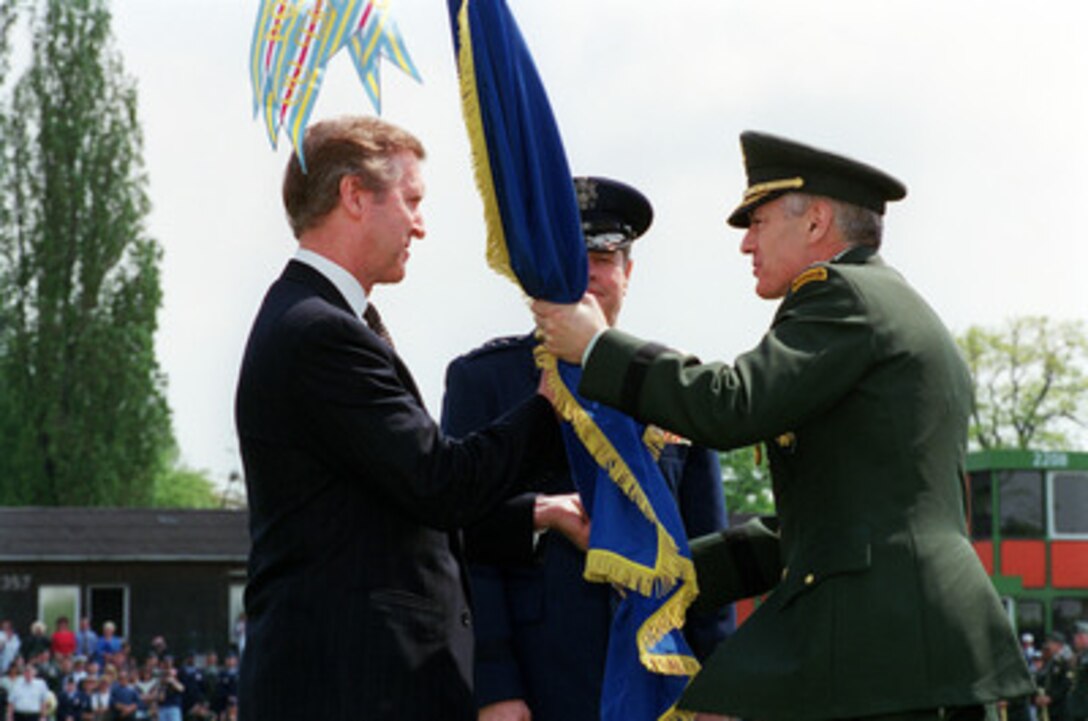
x=1069 y=491
x=1030 y=618
x=982 y=507
x=1067 y=611
x=1021 y=504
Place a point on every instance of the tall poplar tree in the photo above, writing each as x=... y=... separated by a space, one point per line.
x=83 y=415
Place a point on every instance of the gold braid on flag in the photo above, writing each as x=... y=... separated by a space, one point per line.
x=608 y=567
x=498 y=257
x=675 y=714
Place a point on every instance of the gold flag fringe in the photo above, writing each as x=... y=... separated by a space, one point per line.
x=604 y=566
x=498 y=256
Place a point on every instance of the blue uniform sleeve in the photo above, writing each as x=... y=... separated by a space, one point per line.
x=497 y=671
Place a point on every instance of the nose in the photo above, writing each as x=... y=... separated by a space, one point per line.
x=418 y=228
x=747 y=243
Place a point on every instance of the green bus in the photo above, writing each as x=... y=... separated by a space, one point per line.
x=1029 y=525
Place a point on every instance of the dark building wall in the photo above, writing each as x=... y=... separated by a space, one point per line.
x=188 y=603
x=18 y=596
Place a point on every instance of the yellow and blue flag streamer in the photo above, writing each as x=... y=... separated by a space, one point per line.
x=293 y=41
x=637 y=540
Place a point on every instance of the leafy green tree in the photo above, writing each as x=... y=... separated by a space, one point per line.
x=747 y=482
x=1030 y=381
x=182 y=487
x=83 y=415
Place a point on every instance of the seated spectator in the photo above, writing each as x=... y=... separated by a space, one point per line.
x=29 y=697
x=9 y=679
x=196 y=699
x=226 y=688
x=79 y=669
x=9 y=645
x=47 y=669
x=124 y=698
x=109 y=643
x=65 y=668
x=86 y=639
x=36 y=642
x=63 y=641
x=171 y=694
x=211 y=670
x=100 y=698
x=148 y=687
x=159 y=647
x=87 y=687
x=68 y=701
x=123 y=657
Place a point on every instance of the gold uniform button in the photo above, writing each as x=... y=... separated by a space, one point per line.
x=810 y=579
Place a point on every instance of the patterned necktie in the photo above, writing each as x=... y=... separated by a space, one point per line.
x=374 y=320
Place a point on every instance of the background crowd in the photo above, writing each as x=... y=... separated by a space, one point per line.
x=84 y=675
x=1060 y=667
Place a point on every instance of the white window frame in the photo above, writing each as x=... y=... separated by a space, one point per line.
x=1051 y=497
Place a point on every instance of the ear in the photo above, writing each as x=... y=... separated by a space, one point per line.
x=820 y=219
x=353 y=197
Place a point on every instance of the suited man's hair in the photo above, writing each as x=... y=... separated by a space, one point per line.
x=361 y=146
x=859 y=226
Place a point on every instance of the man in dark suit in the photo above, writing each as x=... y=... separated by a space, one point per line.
x=880 y=607
x=356 y=601
x=542 y=630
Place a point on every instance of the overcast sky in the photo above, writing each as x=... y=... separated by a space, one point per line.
x=979 y=106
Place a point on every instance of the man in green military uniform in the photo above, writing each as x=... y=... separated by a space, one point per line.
x=1054 y=680
x=880 y=607
x=1078 y=693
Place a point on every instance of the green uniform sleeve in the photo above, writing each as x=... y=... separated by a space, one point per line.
x=820 y=344
x=736 y=563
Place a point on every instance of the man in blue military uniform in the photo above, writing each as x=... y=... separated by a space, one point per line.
x=880 y=608
x=542 y=631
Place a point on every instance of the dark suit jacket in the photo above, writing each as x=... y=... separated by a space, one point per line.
x=862 y=399
x=542 y=630
x=356 y=603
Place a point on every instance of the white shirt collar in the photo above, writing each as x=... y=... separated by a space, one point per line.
x=344 y=281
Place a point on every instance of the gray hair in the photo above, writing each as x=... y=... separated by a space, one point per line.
x=859 y=226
